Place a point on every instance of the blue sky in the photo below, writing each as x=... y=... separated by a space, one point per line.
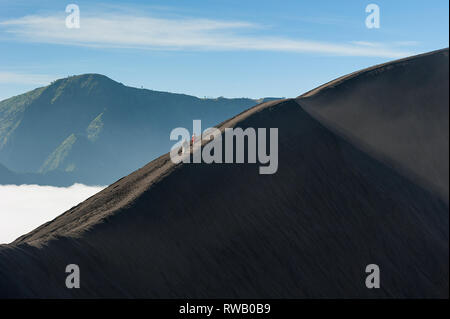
x=211 y=48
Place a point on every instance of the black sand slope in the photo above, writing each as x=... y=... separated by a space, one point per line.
x=223 y=230
x=398 y=112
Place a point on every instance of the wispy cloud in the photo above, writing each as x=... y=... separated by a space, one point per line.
x=25 y=78
x=368 y=44
x=106 y=30
x=407 y=43
x=386 y=45
x=25 y=207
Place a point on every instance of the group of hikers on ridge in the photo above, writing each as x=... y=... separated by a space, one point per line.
x=185 y=146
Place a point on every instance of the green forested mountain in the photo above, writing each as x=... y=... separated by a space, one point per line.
x=91 y=129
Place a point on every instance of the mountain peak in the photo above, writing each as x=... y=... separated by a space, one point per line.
x=85 y=80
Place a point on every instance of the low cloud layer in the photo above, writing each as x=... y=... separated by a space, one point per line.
x=25 y=207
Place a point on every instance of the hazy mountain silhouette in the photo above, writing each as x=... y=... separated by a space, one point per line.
x=55 y=177
x=6 y=176
x=223 y=230
x=93 y=130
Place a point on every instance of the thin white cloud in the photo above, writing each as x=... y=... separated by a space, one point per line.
x=368 y=44
x=145 y=32
x=25 y=78
x=386 y=45
x=25 y=207
x=407 y=43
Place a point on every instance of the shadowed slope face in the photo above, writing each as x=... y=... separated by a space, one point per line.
x=399 y=112
x=223 y=230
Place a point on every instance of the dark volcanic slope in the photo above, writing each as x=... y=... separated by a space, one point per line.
x=399 y=112
x=223 y=230
x=199 y=230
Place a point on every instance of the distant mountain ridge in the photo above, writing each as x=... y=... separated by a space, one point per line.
x=75 y=127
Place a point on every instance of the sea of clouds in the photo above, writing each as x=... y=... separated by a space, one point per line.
x=25 y=207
